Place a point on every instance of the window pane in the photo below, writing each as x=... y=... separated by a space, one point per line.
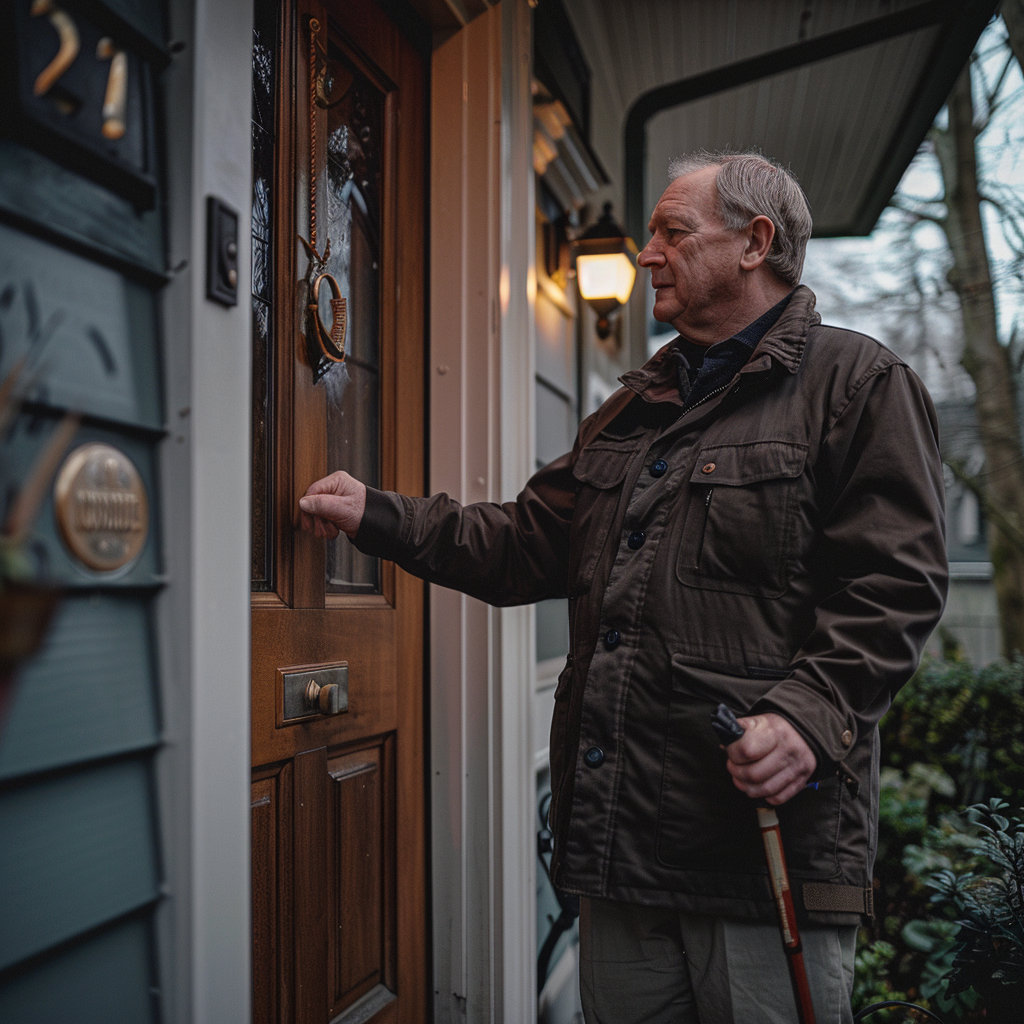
x=263 y=68
x=354 y=183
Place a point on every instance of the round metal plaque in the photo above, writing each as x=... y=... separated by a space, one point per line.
x=101 y=507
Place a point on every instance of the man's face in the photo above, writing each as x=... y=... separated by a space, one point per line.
x=693 y=258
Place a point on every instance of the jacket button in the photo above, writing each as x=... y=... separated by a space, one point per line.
x=636 y=539
x=611 y=639
x=708 y=467
x=594 y=756
x=847 y=737
x=659 y=467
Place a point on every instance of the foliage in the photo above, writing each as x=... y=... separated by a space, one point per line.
x=987 y=947
x=953 y=736
x=871 y=978
x=23 y=504
x=968 y=724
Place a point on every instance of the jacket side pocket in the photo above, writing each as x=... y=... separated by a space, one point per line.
x=704 y=822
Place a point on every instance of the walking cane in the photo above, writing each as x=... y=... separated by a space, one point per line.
x=728 y=730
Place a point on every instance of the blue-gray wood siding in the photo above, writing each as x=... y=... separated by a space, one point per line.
x=104 y=981
x=80 y=847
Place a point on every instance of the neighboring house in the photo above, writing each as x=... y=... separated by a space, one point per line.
x=971 y=617
x=252 y=775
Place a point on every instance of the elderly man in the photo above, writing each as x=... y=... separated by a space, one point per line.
x=755 y=518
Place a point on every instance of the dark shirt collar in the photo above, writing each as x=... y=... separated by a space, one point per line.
x=657 y=380
x=754 y=332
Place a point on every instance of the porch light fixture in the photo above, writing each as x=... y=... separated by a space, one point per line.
x=605 y=270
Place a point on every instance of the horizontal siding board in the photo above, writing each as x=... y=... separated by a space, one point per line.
x=59 y=202
x=76 y=852
x=90 y=692
x=21 y=449
x=105 y=979
x=98 y=327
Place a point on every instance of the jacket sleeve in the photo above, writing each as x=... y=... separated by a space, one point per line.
x=883 y=555
x=506 y=554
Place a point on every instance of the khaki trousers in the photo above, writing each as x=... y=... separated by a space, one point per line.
x=652 y=965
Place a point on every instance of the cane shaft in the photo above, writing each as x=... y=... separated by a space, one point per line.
x=768 y=821
x=801 y=990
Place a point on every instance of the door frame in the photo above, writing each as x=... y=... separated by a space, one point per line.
x=481 y=443
x=204 y=777
x=202 y=615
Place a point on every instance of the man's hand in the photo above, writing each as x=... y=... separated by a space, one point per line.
x=333 y=505
x=772 y=761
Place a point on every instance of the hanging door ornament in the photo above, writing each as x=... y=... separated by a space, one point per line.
x=326 y=347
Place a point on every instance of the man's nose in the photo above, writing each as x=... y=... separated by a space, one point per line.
x=649 y=255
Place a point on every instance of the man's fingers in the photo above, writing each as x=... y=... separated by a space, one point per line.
x=756 y=742
x=338 y=483
x=757 y=772
x=771 y=761
x=326 y=506
x=333 y=505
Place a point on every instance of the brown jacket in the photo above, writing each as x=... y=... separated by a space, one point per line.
x=777 y=547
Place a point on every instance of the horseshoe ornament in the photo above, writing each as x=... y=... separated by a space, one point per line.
x=332 y=342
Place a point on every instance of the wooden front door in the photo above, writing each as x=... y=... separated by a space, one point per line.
x=338 y=780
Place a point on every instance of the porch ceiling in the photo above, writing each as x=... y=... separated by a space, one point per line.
x=842 y=91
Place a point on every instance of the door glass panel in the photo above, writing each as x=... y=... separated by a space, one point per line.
x=354 y=184
x=263 y=58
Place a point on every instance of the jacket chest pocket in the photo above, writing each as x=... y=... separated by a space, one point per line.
x=599 y=471
x=742 y=533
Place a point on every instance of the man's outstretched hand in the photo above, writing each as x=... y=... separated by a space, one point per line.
x=772 y=761
x=333 y=505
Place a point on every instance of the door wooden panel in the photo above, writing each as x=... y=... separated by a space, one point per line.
x=339 y=852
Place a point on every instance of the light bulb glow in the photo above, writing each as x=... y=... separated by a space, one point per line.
x=606 y=276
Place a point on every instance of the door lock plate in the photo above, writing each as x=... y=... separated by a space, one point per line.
x=315 y=691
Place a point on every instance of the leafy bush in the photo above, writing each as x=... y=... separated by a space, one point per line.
x=871 y=979
x=954 y=737
x=987 y=946
x=970 y=724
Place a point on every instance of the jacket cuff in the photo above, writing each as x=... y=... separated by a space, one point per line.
x=829 y=731
x=383 y=524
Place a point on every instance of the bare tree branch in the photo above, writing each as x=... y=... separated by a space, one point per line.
x=911 y=211
x=1013 y=17
x=997 y=515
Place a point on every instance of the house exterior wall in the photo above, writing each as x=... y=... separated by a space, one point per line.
x=81 y=867
x=124 y=843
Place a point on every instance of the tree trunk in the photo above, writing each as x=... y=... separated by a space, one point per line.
x=1013 y=17
x=985 y=359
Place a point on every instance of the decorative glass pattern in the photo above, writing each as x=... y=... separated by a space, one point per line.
x=354 y=186
x=263 y=58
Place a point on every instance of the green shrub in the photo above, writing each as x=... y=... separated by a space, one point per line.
x=970 y=724
x=954 y=737
x=987 y=902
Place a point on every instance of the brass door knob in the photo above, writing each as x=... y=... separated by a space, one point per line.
x=325 y=699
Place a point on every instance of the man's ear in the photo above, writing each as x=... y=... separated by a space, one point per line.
x=760 y=235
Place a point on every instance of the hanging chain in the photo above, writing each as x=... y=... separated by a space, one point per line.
x=314 y=29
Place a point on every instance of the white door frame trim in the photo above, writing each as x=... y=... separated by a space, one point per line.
x=481 y=371
x=202 y=616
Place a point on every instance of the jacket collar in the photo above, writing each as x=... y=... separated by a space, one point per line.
x=656 y=380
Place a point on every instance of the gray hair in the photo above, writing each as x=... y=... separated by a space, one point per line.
x=750 y=185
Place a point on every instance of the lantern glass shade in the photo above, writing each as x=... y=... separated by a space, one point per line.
x=605 y=276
